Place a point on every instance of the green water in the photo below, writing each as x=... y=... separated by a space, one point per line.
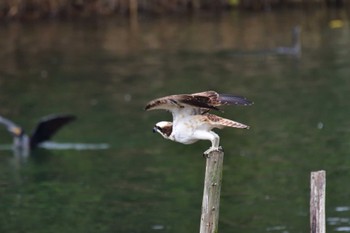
x=105 y=71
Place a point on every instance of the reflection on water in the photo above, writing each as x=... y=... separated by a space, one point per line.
x=277 y=228
x=345 y=229
x=104 y=72
x=22 y=155
x=341 y=223
x=6 y=147
x=65 y=146
x=342 y=208
x=337 y=221
x=74 y=146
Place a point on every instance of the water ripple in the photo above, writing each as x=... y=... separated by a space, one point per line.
x=74 y=146
x=345 y=228
x=342 y=208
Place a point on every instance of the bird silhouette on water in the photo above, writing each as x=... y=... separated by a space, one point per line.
x=44 y=130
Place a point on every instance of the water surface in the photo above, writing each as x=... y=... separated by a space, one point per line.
x=105 y=71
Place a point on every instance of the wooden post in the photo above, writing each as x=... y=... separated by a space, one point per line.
x=211 y=193
x=317 y=202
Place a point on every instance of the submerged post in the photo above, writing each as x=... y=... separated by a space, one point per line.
x=317 y=202
x=211 y=193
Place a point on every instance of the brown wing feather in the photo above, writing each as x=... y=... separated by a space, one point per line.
x=220 y=122
x=215 y=99
x=157 y=103
x=206 y=100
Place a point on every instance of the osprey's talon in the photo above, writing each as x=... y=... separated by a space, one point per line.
x=207 y=152
x=211 y=149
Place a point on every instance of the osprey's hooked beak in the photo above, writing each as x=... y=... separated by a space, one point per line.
x=155 y=129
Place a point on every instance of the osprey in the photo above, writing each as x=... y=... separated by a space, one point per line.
x=191 y=118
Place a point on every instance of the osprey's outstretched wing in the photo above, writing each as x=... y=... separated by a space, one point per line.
x=203 y=100
x=47 y=127
x=13 y=128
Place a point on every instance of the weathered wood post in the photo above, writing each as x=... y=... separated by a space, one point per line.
x=211 y=193
x=317 y=202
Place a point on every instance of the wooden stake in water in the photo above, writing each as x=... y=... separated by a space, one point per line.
x=211 y=193
x=317 y=202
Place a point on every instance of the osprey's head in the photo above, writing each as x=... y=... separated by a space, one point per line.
x=164 y=128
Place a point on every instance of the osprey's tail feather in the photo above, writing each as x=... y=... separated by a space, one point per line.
x=220 y=122
x=233 y=124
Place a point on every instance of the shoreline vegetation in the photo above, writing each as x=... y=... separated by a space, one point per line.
x=45 y=9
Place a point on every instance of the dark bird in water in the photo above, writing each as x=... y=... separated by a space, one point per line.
x=44 y=130
x=295 y=48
